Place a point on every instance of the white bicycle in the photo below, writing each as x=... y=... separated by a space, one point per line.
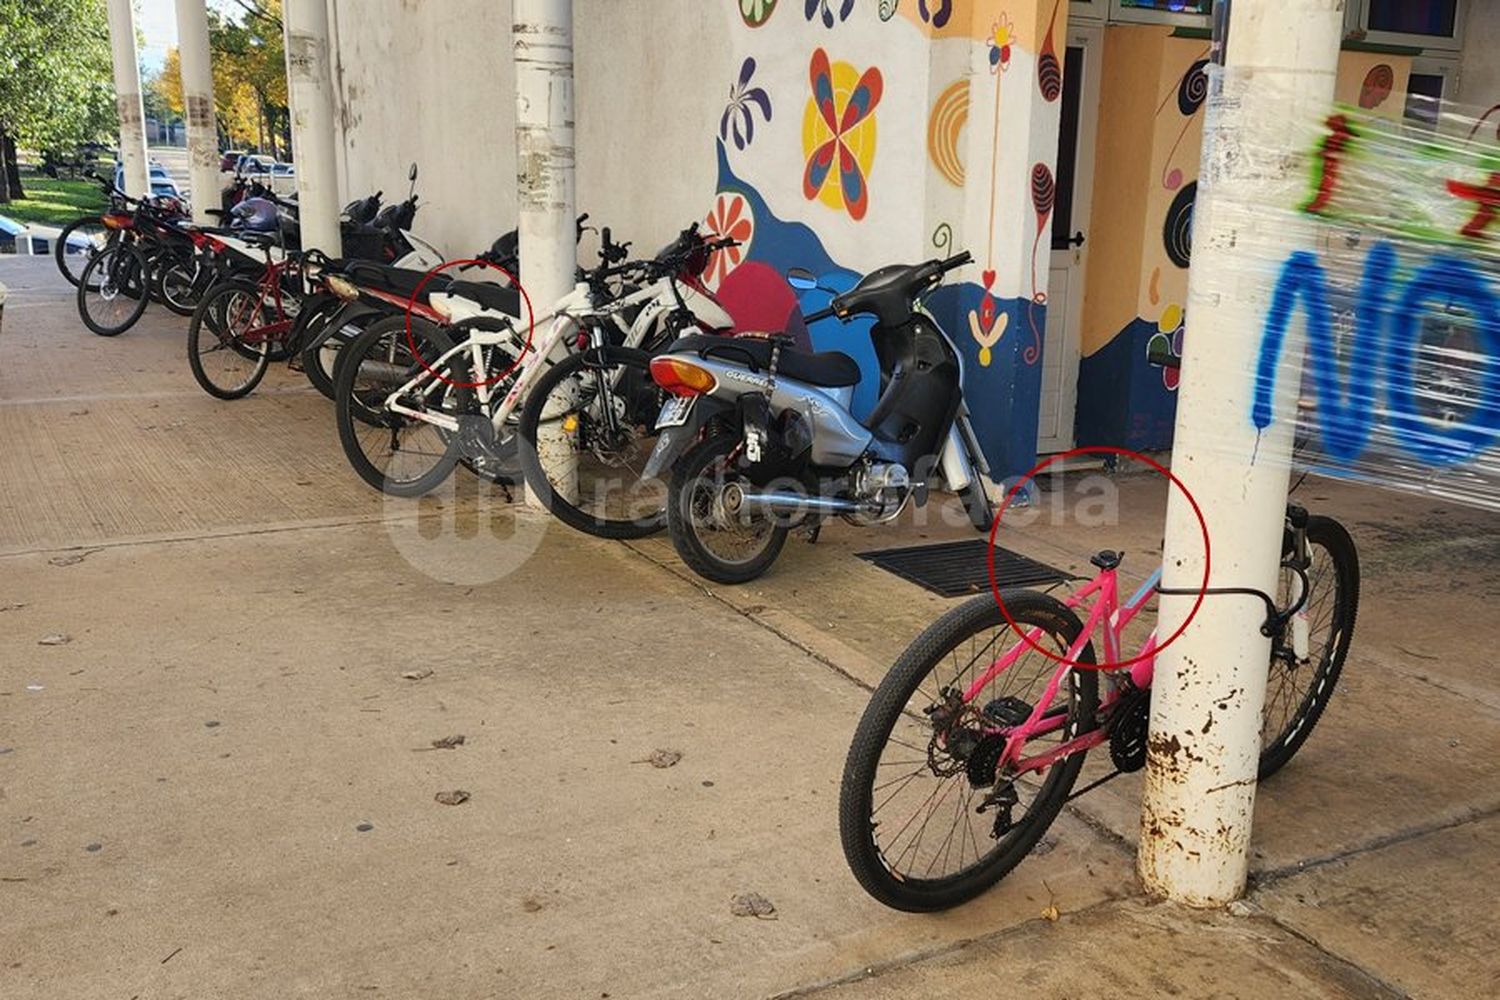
x=414 y=398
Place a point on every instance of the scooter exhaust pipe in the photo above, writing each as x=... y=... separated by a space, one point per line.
x=781 y=503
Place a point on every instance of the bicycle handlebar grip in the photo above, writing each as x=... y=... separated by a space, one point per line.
x=819 y=315
x=958 y=260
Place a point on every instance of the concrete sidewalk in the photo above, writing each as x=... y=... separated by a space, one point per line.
x=222 y=784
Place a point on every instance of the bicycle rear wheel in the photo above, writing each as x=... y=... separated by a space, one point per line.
x=398 y=454
x=228 y=344
x=79 y=242
x=112 y=290
x=923 y=760
x=601 y=408
x=1297 y=690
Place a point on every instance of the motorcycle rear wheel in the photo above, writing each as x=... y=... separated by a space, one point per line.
x=715 y=545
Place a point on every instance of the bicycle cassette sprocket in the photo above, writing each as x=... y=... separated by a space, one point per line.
x=1127 y=730
x=984 y=759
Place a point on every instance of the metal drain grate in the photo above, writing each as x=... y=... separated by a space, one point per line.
x=954 y=569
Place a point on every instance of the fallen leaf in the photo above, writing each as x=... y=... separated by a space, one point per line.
x=530 y=905
x=12 y=607
x=416 y=675
x=457 y=797
x=661 y=758
x=752 y=904
x=1050 y=912
x=55 y=639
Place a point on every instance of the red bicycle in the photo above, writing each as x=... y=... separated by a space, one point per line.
x=244 y=324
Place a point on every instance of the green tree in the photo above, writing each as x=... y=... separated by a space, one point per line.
x=249 y=60
x=56 y=86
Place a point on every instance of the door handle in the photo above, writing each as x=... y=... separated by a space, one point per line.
x=1076 y=240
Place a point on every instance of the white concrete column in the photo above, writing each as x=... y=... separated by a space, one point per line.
x=1282 y=56
x=198 y=105
x=128 y=99
x=310 y=88
x=546 y=219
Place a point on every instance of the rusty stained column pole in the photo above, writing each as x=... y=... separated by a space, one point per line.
x=310 y=89
x=1276 y=84
x=542 y=32
x=198 y=104
x=132 y=112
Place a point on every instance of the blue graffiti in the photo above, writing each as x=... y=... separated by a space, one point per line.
x=1387 y=340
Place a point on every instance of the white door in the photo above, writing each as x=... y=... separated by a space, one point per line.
x=1070 y=226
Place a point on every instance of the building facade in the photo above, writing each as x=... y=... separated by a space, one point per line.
x=1057 y=141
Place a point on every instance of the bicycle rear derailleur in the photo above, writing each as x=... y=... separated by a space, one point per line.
x=1003 y=799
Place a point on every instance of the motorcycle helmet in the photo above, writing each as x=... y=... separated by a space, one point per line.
x=255 y=215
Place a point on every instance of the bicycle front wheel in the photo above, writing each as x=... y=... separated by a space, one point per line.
x=228 y=346
x=112 y=291
x=586 y=431
x=394 y=452
x=924 y=757
x=1299 y=687
x=181 y=279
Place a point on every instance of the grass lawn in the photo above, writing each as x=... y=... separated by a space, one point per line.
x=54 y=202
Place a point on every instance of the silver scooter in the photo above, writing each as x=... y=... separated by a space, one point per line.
x=767 y=442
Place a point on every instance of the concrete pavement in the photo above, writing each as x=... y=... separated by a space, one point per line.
x=222 y=784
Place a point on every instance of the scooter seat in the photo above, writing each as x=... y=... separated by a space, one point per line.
x=493 y=297
x=401 y=280
x=829 y=369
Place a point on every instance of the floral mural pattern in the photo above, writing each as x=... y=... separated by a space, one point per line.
x=756 y=12
x=738 y=120
x=731 y=217
x=935 y=12
x=825 y=10
x=838 y=134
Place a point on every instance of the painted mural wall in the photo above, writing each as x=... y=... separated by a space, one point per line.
x=836 y=135
x=860 y=134
x=1154 y=85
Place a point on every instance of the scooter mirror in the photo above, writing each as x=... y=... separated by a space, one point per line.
x=801 y=278
x=411 y=174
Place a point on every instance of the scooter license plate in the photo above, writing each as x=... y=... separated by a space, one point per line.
x=675 y=411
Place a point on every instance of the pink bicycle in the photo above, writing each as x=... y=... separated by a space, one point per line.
x=972 y=744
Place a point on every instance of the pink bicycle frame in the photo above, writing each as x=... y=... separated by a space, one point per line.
x=1106 y=613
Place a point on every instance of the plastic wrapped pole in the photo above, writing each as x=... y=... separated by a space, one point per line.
x=543 y=37
x=1280 y=60
x=198 y=102
x=128 y=102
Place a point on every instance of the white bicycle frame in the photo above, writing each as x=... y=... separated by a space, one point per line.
x=563 y=318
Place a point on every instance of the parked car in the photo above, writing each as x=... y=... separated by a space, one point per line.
x=281 y=178
x=162 y=184
x=230 y=158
